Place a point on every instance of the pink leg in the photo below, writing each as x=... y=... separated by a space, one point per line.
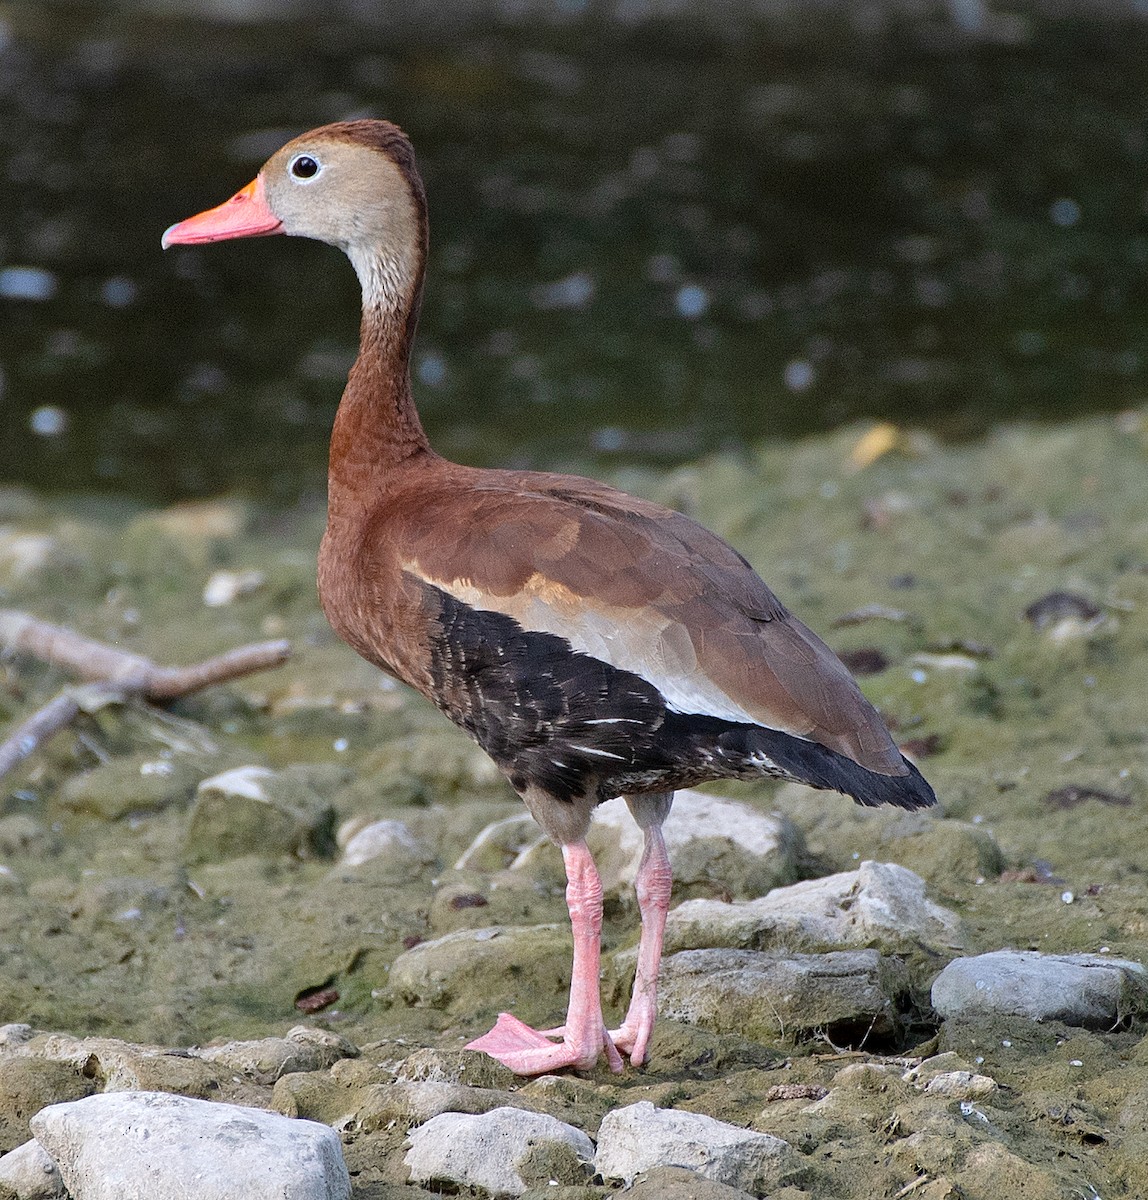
x=653 y=884
x=526 y=1051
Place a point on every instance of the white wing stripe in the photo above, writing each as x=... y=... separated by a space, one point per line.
x=641 y=646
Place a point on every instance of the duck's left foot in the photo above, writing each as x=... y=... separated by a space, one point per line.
x=528 y=1051
x=632 y=1037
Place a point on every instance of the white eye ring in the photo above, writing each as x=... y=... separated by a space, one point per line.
x=304 y=168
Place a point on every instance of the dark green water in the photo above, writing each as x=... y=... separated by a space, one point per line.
x=648 y=242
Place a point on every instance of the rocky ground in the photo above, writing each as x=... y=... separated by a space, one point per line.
x=303 y=892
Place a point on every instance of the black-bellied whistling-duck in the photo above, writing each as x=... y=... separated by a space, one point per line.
x=593 y=644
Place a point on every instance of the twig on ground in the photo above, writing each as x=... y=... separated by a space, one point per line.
x=116 y=675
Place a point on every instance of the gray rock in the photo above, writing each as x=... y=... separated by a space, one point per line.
x=504 y=1151
x=411 y=1103
x=14 y=1035
x=641 y=1137
x=766 y=996
x=387 y=840
x=469 y=1067
x=879 y=904
x=500 y=843
x=947 y=1074
x=254 y=810
x=152 y=1146
x=120 y=1066
x=225 y=587
x=490 y=965
x=678 y=1183
x=31 y=1173
x=962 y=1085
x=1078 y=989
x=268 y=1059
x=949 y=854
x=26 y=1085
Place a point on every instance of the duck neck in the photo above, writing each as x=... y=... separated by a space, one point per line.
x=377 y=427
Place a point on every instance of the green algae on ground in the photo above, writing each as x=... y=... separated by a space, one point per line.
x=1033 y=736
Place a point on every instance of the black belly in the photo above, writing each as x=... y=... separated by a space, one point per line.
x=576 y=727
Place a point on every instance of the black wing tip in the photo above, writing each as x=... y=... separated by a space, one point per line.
x=818 y=766
x=911 y=791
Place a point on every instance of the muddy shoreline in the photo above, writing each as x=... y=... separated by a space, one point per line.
x=993 y=598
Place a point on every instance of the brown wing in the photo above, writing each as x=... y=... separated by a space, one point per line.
x=641 y=587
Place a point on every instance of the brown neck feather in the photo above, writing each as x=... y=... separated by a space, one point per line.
x=377 y=427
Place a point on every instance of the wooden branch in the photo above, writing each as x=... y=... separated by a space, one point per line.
x=37 y=729
x=134 y=674
x=116 y=674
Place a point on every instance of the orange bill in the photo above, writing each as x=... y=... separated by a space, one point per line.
x=246 y=214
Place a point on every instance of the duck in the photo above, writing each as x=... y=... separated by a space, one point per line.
x=595 y=644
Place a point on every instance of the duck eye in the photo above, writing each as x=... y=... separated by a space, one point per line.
x=304 y=166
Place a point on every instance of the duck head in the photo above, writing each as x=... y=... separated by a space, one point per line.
x=354 y=185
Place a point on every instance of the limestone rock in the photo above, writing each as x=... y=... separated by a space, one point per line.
x=225 y=587
x=768 y=996
x=31 y=1174
x=131 y=1145
x=948 y=1074
x=1079 y=989
x=115 y=1065
x=990 y=1169
x=500 y=843
x=314 y=1096
x=491 y=966
x=266 y=1060
x=641 y=1137
x=678 y=1183
x=469 y=1067
x=879 y=904
x=410 y=1103
x=962 y=1085
x=26 y=1086
x=387 y=841
x=254 y=810
x=504 y=1151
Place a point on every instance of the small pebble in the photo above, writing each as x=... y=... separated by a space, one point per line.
x=225 y=587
